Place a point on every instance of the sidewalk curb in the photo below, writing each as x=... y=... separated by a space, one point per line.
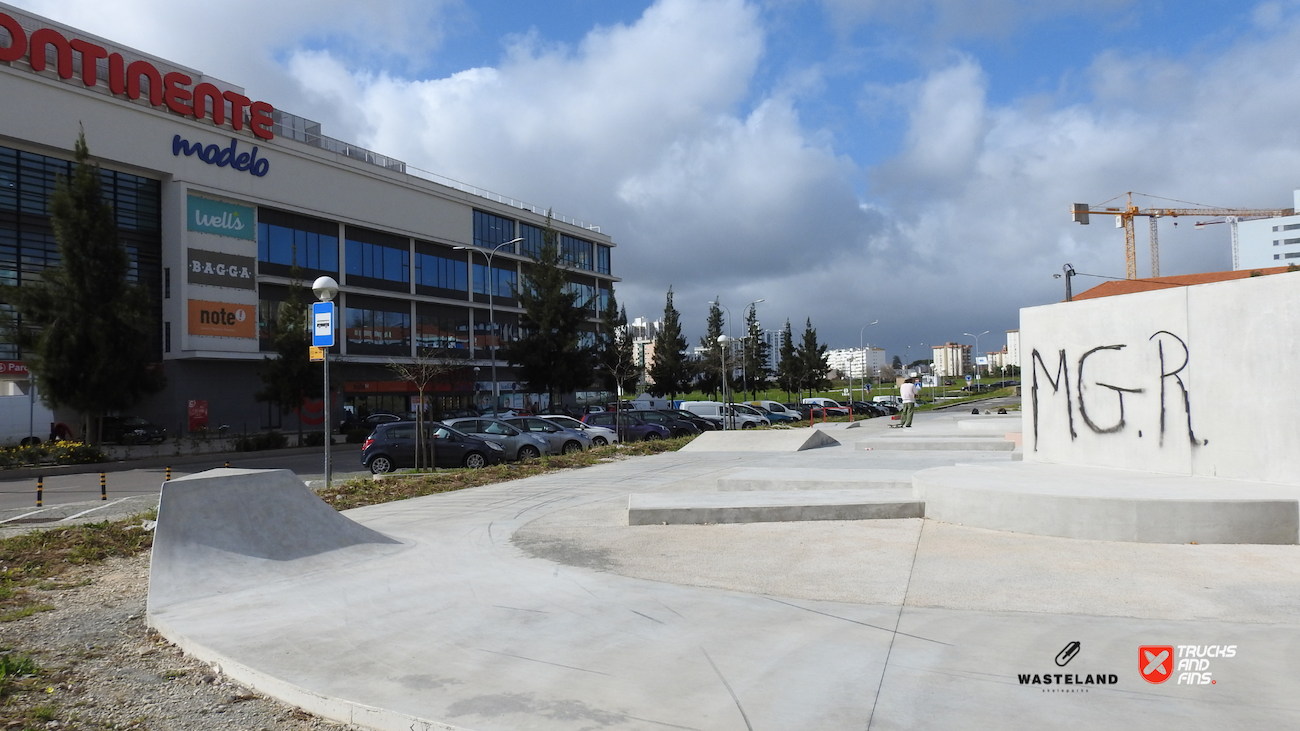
x=217 y=458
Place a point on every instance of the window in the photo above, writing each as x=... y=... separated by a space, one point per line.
x=167 y=337
x=602 y=259
x=586 y=294
x=533 y=239
x=1289 y=227
x=507 y=324
x=378 y=260
x=603 y=298
x=288 y=239
x=437 y=271
x=575 y=252
x=504 y=281
x=1293 y=255
x=442 y=330
x=491 y=231
x=377 y=327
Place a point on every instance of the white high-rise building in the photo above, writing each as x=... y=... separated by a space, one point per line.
x=1269 y=242
x=856 y=362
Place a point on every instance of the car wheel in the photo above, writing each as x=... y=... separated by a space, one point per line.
x=571 y=447
x=599 y=441
x=527 y=452
x=747 y=425
x=381 y=465
x=475 y=461
x=652 y=436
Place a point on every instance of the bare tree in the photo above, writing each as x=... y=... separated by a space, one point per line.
x=429 y=365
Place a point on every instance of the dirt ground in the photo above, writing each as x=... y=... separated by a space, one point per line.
x=102 y=668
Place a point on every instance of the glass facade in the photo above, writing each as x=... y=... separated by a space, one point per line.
x=504 y=281
x=27 y=245
x=378 y=260
x=491 y=231
x=441 y=330
x=507 y=328
x=575 y=252
x=533 y=239
x=376 y=326
x=285 y=239
x=438 y=272
x=602 y=259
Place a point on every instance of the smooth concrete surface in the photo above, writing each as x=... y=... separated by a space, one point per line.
x=531 y=604
x=967 y=443
x=700 y=508
x=990 y=424
x=1111 y=505
x=816 y=478
x=752 y=440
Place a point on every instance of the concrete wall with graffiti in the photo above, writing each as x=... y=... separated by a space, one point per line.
x=1200 y=380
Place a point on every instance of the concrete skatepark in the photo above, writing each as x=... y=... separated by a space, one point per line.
x=781 y=580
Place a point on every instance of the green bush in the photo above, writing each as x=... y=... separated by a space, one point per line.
x=313 y=439
x=358 y=436
x=51 y=452
x=259 y=442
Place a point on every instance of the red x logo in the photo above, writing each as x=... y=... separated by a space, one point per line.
x=1156 y=662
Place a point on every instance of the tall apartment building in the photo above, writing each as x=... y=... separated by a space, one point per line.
x=856 y=362
x=1269 y=242
x=952 y=359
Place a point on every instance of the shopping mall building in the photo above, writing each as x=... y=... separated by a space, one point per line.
x=217 y=196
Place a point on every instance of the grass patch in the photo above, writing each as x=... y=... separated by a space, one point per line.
x=362 y=491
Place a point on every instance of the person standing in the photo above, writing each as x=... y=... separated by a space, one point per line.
x=908 y=393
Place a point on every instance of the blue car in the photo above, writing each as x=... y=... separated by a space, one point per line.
x=630 y=428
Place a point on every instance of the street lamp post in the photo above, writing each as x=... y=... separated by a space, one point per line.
x=977 y=349
x=862 y=349
x=492 y=319
x=326 y=289
x=724 y=342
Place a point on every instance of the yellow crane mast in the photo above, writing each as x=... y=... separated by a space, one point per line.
x=1124 y=218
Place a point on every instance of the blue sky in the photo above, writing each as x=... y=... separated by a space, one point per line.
x=845 y=160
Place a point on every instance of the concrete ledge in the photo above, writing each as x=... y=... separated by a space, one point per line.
x=750 y=440
x=972 y=443
x=990 y=424
x=771 y=507
x=815 y=479
x=1110 y=505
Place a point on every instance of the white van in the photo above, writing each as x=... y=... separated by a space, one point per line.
x=895 y=401
x=715 y=409
x=831 y=406
x=776 y=407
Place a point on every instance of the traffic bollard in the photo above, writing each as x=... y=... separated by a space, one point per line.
x=169 y=474
x=227 y=464
x=40 y=491
x=103 y=486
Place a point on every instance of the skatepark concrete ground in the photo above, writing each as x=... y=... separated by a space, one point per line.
x=533 y=604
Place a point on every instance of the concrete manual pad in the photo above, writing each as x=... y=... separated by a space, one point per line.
x=528 y=604
x=991 y=424
x=677 y=508
x=814 y=478
x=966 y=443
x=1106 y=504
x=752 y=440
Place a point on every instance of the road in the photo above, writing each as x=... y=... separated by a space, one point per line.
x=63 y=489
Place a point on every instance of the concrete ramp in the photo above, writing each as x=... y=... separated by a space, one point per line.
x=750 y=440
x=699 y=508
x=813 y=478
x=228 y=529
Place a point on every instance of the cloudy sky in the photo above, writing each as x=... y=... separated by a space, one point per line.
x=845 y=160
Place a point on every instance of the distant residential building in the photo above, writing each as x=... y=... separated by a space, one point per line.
x=856 y=362
x=952 y=359
x=1013 y=348
x=1268 y=242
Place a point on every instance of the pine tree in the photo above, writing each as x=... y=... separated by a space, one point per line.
x=291 y=378
x=549 y=352
x=755 y=354
x=812 y=355
x=711 y=364
x=617 y=359
x=789 y=370
x=84 y=328
x=669 y=369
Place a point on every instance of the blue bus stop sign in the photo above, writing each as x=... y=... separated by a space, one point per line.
x=322 y=324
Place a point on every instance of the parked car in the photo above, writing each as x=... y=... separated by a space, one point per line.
x=676 y=426
x=784 y=417
x=600 y=436
x=803 y=410
x=464 y=413
x=132 y=430
x=560 y=440
x=699 y=421
x=869 y=409
x=392 y=446
x=735 y=418
x=352 y=421
x=630 y=428
x=517 y=444
x=830 y=406
x=775 y=407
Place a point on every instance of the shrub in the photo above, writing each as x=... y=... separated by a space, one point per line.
x=358 y=436
x=259 y=442
x=51 y=452
x=313 y=439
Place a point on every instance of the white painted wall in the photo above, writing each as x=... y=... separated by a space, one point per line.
x=1241 y=425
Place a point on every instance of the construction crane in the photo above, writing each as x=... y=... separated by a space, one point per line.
x=1124 y=218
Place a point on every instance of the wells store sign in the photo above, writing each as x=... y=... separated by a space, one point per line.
x=209 y=216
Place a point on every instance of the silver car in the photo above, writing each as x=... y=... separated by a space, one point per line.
x=600 y=436
x=561 y=440
x=517 y=444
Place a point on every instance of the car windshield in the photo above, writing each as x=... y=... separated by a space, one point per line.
x=568 y=422
x=135 y=421
x=496 y=427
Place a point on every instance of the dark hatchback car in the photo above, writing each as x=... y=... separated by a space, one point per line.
x=700 y=422
x=677 y=426
x=132 y=430
x=630 y=428
x=392 y=446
